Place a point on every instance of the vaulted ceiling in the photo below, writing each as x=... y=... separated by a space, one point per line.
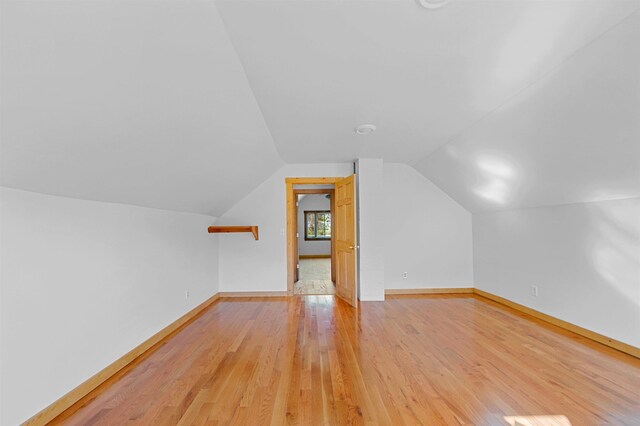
x=189 y=104
x=137 y=102
x=572 y=136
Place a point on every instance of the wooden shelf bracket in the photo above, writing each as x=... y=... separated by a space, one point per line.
x=228 y=229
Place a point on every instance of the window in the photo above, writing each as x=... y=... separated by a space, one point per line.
x=317 y=225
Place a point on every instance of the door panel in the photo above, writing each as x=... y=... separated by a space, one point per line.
x=334 y=255
x=296 y=248
x=346 y=244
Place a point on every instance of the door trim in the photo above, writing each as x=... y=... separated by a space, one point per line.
x=292 y=222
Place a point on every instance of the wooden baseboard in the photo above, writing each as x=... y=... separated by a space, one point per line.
x=253 y=293
x=66 y=401
x=615 y=344
x=314 y=256
x=459 y=290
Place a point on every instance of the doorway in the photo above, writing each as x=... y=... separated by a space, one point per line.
x=340 y=221
x=316 y=248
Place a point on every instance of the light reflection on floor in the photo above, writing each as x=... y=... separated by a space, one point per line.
x=544 y=420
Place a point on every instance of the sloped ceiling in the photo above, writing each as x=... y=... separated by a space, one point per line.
x=319 y=68
x=573 y=136
x=558 y=80
x=173 y=104
x=137 y=102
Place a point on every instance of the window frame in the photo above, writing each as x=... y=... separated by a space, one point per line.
x=317 y=238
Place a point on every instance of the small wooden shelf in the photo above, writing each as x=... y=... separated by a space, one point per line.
x=227 y=229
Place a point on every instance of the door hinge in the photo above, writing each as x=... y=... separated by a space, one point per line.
x=298 y=266
x=297 y=235
x=297 y=204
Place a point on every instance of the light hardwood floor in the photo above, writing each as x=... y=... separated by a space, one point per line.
x=454 y=359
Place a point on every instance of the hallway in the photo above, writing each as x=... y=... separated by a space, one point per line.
x=315 y=277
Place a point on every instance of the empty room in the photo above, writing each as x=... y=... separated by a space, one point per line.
x=320 y=212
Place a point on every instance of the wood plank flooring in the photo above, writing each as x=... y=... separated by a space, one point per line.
x=432 y=360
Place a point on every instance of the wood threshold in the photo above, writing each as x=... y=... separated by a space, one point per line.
x=315 y=256
x=85 y=388
x=597 y=337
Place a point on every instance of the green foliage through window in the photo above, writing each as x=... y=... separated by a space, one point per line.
x=317 y=225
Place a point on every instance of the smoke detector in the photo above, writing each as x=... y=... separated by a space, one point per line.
x=433 y=4
x=365 y=129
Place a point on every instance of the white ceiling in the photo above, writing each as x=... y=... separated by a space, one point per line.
x=571 y=137
x=137 y=102
x=174 y=104
x=319 y=68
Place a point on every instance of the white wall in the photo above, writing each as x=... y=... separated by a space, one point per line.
x=371 y=225
x=427 y=234
x=584 y=258
x=312 y=202
x=430 y=237
x=249 y=265
x=84 y=282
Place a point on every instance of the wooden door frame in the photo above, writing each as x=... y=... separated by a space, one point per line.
x=292 y=222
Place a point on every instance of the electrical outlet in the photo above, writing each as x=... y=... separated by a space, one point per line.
x=534 y=290
x=405 y=275
x=186 y=295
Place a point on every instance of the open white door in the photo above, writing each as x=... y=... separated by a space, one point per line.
x=345 y=237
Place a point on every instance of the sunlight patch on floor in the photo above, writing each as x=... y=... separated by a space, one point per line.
x=545 y=420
